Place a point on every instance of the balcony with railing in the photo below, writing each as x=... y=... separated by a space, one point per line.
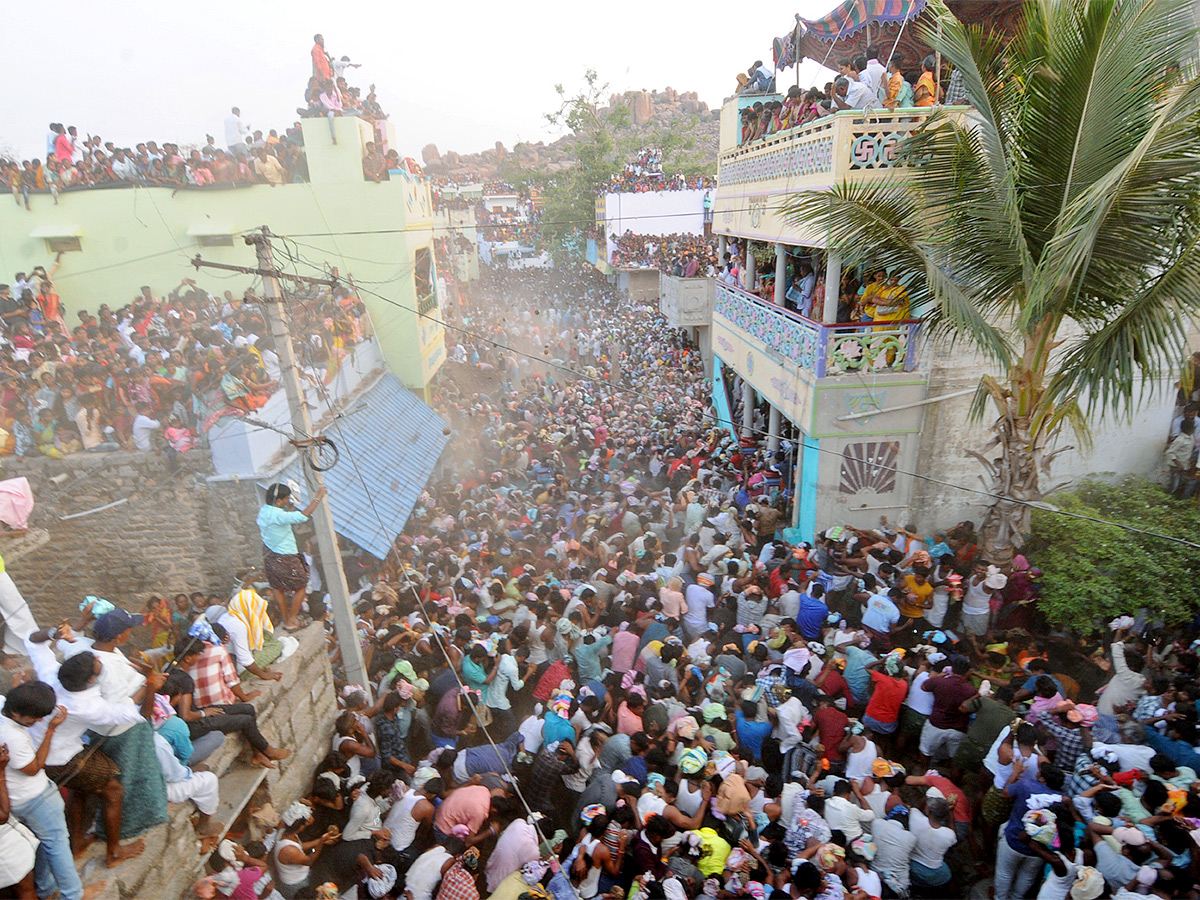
x=820 y=349
x=754 y=179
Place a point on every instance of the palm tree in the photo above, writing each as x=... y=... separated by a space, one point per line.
x=1054 y=229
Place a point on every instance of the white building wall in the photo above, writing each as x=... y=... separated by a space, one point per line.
x=1120 y=446
x=653 y=212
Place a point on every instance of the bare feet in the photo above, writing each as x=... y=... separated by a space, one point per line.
x=276 y=753
x=262 y=762
x=128 y=851
x=207 y=826
x=82 y=847
x=94 y=890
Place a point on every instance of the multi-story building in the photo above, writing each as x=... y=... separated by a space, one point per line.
x=870 y=409
x=114 y=240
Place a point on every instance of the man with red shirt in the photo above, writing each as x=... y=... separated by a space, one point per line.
x=947 y=724
x=320 y=60
x=831 y=725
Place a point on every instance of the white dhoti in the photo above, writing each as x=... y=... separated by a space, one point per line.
x=18 y=620
x=202 y=788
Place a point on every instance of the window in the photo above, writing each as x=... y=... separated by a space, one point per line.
x=423 y=276
x=63 y=244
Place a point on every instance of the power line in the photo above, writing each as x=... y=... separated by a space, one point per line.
x=761 y=433
x=534 y=817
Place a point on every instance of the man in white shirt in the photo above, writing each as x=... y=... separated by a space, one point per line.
x=236 y=132
x=33 y=798
x=788 y=716
x=144 y=427
x=700 y=600
x=77 y=689
x=849 y=94
x=846 y=811
x=508 y=674
x=874 y=73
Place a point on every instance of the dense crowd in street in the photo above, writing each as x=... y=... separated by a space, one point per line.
x=600 y=601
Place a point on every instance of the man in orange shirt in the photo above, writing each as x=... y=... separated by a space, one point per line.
x=320 y=60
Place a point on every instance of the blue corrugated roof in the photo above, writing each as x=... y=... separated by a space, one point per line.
x=396 y=442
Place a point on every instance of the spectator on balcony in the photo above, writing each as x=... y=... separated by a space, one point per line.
x=849 y=94
x=872 y=72
x=899 y=93
x=892 y=302
x=374 y=164
x=927 y=93
x=267 y=168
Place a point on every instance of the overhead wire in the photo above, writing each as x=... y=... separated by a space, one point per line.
x=617 y=389
x=534 y=816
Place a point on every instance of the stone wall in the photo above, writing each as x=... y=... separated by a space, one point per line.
x=169 y=529
x=296 y=713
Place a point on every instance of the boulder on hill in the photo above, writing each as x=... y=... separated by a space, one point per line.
x=429 y=154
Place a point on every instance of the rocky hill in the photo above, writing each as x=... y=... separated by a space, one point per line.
x=651 y=114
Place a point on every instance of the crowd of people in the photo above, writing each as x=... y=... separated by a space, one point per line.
x=154 y=373
x=863 y=82
x=645 y=173
x=681 y=255
x=250 y=156
x=600 y=663
x=866 y=295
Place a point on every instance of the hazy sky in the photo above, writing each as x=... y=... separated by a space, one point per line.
x=462 y=75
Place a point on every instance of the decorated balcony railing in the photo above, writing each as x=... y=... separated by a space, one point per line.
x=755 y=179
x=825 y=350
x=427 y=304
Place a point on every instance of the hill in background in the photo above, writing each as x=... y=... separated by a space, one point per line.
x=668 y=118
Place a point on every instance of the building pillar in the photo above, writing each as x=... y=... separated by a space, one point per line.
x=722 y=246
x=833 y=286
x=774 y=423
x=747 y=409
x=781 y=261
x=749 y=269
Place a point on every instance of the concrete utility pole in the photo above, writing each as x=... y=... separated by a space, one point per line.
x=322 y=517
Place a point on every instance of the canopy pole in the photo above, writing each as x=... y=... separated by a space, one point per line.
x=899 y=34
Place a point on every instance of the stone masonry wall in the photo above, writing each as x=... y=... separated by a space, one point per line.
x=172 y=530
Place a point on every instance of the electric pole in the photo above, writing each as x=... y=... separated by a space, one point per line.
x=334 y=575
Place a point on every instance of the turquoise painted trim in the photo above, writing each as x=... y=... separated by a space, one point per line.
x=721 y=399
x=806 y=499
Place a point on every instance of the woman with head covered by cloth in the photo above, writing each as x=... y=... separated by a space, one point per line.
x=286 y=567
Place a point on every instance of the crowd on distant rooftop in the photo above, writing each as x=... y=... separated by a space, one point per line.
x=645 y=173
x=249 y=156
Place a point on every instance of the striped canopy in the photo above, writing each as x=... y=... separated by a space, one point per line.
x=850 y=16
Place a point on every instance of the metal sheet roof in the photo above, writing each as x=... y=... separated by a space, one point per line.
x=396 y=442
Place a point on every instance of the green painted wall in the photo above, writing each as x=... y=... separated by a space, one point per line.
x=135 y=236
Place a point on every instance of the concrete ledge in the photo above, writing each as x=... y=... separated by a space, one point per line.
x=295 y=713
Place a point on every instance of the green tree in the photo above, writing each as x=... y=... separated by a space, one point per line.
x=1095 y=572
x=569 y=201
x=1054 y=228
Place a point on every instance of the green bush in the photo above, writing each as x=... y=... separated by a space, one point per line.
x=1093 y=573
